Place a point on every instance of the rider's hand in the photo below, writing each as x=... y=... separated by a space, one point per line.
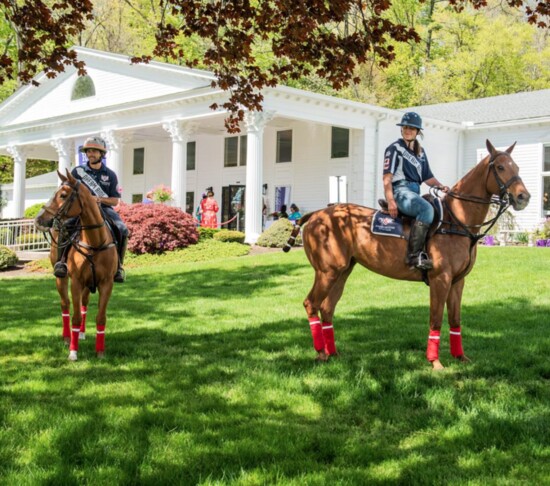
x=392 y=208
x=445 y=189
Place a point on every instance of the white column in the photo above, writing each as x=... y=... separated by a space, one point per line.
x=255 y=123
x=19 y=168
x=180 y=132
x=64 y=152
x=114 y=155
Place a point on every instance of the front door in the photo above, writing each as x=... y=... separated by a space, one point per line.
x=233 y=207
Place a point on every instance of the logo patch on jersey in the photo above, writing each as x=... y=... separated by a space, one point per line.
x=104 y=178
x=388 y=153
x=119 y=189
x=386 y=164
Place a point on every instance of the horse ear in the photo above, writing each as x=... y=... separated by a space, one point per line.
x=69 y=176
x=61 y=176
x=510 y=148
x=490 y=147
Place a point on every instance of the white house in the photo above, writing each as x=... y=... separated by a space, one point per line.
x=305 y=148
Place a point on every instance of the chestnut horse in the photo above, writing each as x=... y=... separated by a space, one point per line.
x=338 y=237
x=92 y=258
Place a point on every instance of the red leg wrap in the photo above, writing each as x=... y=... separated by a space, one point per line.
x=66 y=324
x=433 y=345
x=328 y=334
x=100 y=339
x=74 y=339
x=84 y=312
x=456 y=342
x=317 y=334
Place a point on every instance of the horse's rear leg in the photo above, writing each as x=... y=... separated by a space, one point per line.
x=105 y=291
x=62 y=285
x=84 y=312
x=321 y=288
x=439 y=292
x=328 y=306
x=76 y=292
x=454 y=301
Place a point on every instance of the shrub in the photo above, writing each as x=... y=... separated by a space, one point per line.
x=207 y=233
x=277 y=234
x=8 y=258
x=543 y=232
x=32 y=211
x=156 y=228
x=229 y=236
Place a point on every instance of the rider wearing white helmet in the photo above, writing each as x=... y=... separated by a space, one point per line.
x=103 y=183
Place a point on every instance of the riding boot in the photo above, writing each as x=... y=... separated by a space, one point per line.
x=60 y=269
x=120 y=275
x=417 y=238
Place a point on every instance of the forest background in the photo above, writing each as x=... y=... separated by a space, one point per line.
x=459 y=56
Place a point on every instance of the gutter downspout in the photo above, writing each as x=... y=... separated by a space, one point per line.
x=376 y=147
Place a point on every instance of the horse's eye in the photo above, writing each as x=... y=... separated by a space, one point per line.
x=63 y=195
x=500 y=168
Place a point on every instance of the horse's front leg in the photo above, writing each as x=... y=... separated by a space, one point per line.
x=84 y=312
x=76 y=293
x=454 y=301
x=439 y=290
x=105 y=290
x=62 y=285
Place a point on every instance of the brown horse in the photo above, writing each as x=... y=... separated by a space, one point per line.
x=338 y=237
x=92 y=258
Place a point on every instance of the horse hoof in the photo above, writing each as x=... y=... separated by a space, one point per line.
x=81 y=336
x=100 y=355
x=73 y=356
x=437 y=366
x=66 y=340
x=463 y=359
x=322 y=357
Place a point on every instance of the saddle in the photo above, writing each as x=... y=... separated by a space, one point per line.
x=384 y=224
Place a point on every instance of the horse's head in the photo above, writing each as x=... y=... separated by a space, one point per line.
x=64 y=204
x=503 y=178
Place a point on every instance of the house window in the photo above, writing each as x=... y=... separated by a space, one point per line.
x=137 y=198
x=189 y=202
x=340 y=143
x=139 y=159
x=191 y=150
x=83 y=88
x=546 y=182
x=284 y=146
x=234 y=151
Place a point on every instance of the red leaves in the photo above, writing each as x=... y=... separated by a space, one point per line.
x=157 y=228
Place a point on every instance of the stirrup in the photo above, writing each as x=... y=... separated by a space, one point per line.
x=120 y=275
x=60 y=269
x=421 y=261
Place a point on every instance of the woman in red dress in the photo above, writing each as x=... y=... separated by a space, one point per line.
x=209 y=208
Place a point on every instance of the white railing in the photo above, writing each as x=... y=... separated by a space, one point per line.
x=22 y=235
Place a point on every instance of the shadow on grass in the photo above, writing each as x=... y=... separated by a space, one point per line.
x=180 y=405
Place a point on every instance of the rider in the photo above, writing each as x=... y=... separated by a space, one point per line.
x=103 y=183
x=405 y=169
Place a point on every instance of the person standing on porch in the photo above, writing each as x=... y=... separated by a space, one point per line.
x=209 y=208
x=406 y=167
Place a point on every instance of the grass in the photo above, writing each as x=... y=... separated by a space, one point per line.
x=209 y=379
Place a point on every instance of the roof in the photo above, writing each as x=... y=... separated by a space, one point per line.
x=526 y=106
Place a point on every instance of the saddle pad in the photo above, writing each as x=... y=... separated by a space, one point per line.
x=383 y=224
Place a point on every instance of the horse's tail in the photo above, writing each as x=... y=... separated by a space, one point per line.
x=290 y=243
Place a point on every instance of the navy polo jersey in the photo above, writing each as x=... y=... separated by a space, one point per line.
x=105 y=177
x=405 y=165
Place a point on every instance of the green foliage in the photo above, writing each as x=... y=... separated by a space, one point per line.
x=206 y=233
x=29 y=240
x=32 y=211
x=8 y=258
x=226 y=235
x=35 y=167
x=276 y=235
x=543 y=232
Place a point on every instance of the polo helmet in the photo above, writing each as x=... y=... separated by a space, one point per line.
x=94 y=143
x=411 y=119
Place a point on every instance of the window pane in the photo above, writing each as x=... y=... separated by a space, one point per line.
x=139 y=157
x=340 y=143
x=137 y=198
x=191 y=146
x=284 y=146
x=189 y=202
x=231 y=152
x=547 y=158
x=242 y=152
x=546 y=196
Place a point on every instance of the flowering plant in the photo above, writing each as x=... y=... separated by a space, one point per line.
x=160 y=194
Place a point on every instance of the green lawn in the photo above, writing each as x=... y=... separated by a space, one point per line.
x=210 y=379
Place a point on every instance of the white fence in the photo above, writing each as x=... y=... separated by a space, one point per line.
x=22 y=235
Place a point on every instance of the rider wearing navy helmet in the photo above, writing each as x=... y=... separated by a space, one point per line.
x=103 y=183
x=406 y=167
